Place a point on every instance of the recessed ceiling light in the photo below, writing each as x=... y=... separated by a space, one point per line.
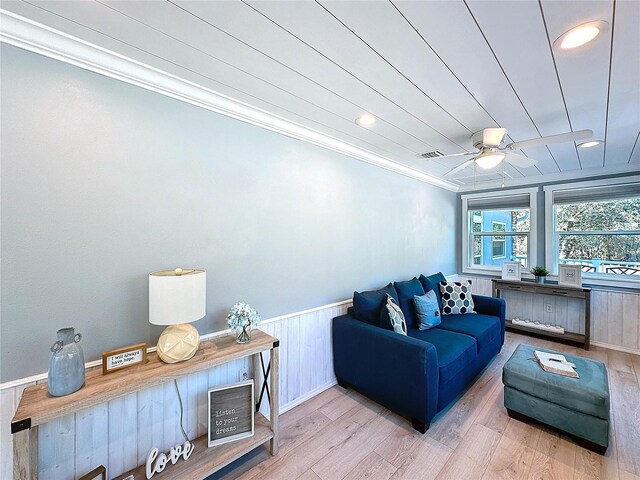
x=590 y=143
x=580 y=35
x=366 y=120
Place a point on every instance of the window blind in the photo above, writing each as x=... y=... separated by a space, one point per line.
x=499 y=202
x=597 y=194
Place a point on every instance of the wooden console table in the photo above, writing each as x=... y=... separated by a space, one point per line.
x=571 y=338
x=37 y=407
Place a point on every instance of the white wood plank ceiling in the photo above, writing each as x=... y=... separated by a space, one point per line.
x=432 y=72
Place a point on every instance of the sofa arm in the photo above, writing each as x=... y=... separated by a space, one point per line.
x=396 y=371
x=496 y=307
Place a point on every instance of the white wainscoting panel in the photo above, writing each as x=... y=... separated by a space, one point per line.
x=615 y=315
x=306 y=355
x=565 y=312
x=120 y=433
x=479 y=285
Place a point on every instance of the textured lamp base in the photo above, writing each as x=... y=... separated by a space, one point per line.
x=178 y=343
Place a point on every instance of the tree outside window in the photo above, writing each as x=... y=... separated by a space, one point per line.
x=603 y=237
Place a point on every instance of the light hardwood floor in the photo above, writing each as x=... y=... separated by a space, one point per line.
x=340 y=434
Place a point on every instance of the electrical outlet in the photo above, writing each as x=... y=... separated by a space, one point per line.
x=549 y=307
x=244 y=375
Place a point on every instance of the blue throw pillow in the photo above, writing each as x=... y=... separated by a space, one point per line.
x=432 y=282
x=367 y=305
x=392 y=318
x=427 y=310
x=406 y=291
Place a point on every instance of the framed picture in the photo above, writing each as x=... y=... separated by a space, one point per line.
x=231 y=412
x=511 y=270
x=124 y=357
x=570 y=275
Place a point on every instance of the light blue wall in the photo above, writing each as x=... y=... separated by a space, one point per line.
x=103 y=182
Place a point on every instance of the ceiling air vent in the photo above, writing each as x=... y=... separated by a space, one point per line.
x=434 y=154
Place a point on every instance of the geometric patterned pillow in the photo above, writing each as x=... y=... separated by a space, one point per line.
x=456 y=297
x=392 y=318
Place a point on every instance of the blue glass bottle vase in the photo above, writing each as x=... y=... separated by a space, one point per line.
x=66 y=365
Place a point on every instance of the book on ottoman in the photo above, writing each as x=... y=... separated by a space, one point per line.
x=556 y=363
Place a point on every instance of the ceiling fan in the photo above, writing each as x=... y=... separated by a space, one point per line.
x=490 y=154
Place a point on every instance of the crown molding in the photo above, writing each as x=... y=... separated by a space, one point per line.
x=35 y=37
x=570 y=175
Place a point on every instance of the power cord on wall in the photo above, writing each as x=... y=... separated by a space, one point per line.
x=175 y=382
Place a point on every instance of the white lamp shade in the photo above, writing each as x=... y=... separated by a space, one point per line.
x=177 y=296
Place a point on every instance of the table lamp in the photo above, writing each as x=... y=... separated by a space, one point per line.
x=176 y=298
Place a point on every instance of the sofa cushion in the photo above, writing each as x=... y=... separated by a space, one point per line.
x=455 y=351
x=392 y=318
x=367 y=305
x=447 y=391
x=406 y=291
x=432 y=282
x=484 y=328
x=427 y=310
x=456 y=297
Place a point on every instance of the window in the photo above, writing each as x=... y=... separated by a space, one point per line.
x=498 y=227
x=498 y=242
x=597 y=227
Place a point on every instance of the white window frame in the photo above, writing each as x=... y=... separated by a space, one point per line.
x=532 y=243
x=503 y=241
x=551 y=240
x=481 y=242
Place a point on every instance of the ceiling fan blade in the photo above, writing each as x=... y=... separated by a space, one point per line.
x=492 y=137
x=454 y=155
x=560 y=138
x=519 y=160
x=460 y=167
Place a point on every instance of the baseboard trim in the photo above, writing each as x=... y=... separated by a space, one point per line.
x=619 y=348
x=307 y=396
x=35 y=37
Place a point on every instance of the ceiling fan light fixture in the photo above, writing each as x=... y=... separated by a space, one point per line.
x=489 y=158
x=590 y=143
x=580 y=35
x=366 y=120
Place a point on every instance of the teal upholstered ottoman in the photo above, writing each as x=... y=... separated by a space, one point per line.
x=578 y=406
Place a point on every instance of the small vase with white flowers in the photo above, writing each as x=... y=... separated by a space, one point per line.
x=241 y=318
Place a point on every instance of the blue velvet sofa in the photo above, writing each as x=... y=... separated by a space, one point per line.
x=419 y=374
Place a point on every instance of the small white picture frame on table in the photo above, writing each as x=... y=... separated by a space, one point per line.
x=570 y=275
x=511 y=271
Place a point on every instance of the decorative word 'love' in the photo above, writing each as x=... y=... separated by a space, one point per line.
x=163 y=459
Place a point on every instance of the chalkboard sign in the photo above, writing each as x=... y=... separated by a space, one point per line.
x=231 y=412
